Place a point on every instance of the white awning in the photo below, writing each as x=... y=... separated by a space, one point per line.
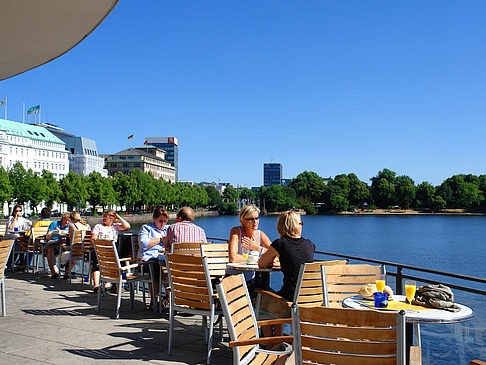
x=34 y=32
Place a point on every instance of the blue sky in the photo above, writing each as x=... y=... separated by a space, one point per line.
x=328 y=86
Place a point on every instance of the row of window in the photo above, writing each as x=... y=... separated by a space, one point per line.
x=22 y=140
x=40 y=153
x=38 y=165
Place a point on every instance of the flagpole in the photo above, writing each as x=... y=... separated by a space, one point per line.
x=23 y=111
x=5 y=108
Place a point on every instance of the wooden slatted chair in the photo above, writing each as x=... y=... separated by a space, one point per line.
x=191 y=292
x=343 y=281
x=35 y=246
x=187 y=248
x=112 y=271
x=79 y=248
x=5 y=249
x=348 y=336
x=217 y=255
x=309 y=291
x=243 y=327
x=3 y=229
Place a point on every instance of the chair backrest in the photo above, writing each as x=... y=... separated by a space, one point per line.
x=3 y=229
x=348 y=336
x=78 y=243
x=342 y=281
x=38 y=233
x=5 y=248
x=238 y=311
x=189 y=281
x=217 y=256
x=187 y=248
x=309 y=290
x=108 y=258
x=135 y=246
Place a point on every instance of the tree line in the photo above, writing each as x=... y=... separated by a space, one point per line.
x=139 y=191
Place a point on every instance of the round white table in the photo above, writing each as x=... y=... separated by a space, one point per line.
x=419 y=316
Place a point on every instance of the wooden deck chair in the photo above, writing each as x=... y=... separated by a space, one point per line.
x=243 y=327
x=343 y=281
x=3 y=229
x=348 y=336
x=309 y=290
x=5 y=249
x=112 y=271
x=217 y=256
x=191 y=292
x=79 y=248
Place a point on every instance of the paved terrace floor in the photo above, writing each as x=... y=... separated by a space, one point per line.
x=53 y=322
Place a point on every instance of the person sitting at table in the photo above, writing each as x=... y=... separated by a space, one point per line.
x=54 y=238
x=150 y=240
x=44 y=221
x=247 y=238
x=77 y=224
x=184 y=230
x=16 y=226
x=293 y=250
x=112 y=224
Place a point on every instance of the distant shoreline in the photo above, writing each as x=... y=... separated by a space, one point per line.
x=400 y=213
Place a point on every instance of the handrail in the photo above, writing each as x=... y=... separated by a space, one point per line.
x=400 y=276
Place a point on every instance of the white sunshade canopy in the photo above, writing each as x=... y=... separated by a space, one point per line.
x=34 y=32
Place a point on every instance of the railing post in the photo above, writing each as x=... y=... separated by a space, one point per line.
x=399 y=281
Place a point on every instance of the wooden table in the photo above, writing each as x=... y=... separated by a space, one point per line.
x=265 y=271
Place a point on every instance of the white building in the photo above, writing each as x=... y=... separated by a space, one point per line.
x=33 y=146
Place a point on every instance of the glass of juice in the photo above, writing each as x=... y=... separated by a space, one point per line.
x=410 y=288
x=245 y=252
x=380 y=283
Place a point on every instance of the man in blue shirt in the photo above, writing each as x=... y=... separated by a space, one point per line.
x=57 y=234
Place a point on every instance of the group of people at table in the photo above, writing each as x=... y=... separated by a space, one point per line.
x=288 y=252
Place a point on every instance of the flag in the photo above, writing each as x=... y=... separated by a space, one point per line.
x=3 y=102
x=130 y=137
x=34 y=110
x=146 y=142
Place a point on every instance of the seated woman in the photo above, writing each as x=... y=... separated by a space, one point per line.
x=55 y=237
x=293 y=250
x=249 y=240
x=15 y=227
x=112 y=224
x=150 y=243
x=77 y=224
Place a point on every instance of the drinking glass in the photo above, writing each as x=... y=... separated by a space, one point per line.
x=380 y=283
x=245 y=252
x=410 y=288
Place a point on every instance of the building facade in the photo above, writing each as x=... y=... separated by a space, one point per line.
x=147 y=158
x=83 y=154
x=272 y=174
x=171 y=147
x=34 y=147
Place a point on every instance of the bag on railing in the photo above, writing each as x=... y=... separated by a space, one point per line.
x=436 y=296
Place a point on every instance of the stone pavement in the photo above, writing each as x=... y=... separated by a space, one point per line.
x=53 y=322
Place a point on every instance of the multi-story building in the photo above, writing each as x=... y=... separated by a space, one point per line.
x=33 y=146
x=147 y=158
x=272 y=174
x=83 y=154
x=171 y=147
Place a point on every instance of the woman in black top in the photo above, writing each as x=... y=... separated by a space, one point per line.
x=293 y=251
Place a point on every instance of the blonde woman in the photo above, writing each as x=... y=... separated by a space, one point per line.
x=112 y=224
x=292 y=250
x=247 y=239
x=77 y=224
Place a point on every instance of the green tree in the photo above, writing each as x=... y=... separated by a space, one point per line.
x=247 y=194
x=308 y=185
x=16 y=176
x=37 y=189
x=213 y=196
x=5 y=187
x=230 y=194
x=74 y=190
x=53 y=190
x=126 y=189
x=359 y=193
x=383 y=188
x=338 y=203
x=424 y=195
x=404 y=191
x=275 y=199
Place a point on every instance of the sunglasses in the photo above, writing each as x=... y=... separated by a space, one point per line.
x=16 y=211
x=301 y=223
x=252 y=219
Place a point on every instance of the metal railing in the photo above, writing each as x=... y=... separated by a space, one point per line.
x=400 y=275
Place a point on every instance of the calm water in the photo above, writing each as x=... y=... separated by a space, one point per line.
x=453 y=244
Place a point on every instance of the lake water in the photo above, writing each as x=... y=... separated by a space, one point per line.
x=452 y=244
x=445 y=243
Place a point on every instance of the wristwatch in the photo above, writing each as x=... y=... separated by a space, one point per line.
x=160 y=240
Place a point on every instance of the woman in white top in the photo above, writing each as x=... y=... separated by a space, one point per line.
x=247 y=239
x=108 y=230
x=77 y=224
x=16 y=223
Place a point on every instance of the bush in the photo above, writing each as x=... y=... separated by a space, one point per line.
x=228 y=209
